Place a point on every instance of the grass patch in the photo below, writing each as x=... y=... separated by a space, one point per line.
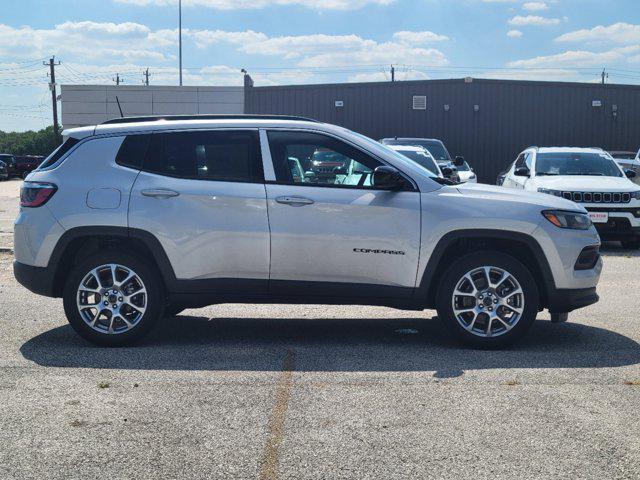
x=102 y=385
x=512 y=383
x=632 y=383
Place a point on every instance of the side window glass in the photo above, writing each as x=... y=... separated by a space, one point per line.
x=208 y=155
x=133 y=151
x=520 y=162
x=311 y=158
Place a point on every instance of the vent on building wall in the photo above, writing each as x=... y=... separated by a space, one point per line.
x=419 y=102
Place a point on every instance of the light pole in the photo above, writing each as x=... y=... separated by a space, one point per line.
x=180 y=36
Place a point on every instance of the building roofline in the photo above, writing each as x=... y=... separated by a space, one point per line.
x=451 y=80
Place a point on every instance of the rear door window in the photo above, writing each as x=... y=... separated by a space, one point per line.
x=208 y=155
x=133 y=151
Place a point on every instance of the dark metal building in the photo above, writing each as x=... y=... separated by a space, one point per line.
x=487 y=121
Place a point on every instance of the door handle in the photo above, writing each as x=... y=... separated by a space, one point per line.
x=160 y=193
x=295 y=201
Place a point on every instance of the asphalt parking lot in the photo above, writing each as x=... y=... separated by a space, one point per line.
x=319 y=392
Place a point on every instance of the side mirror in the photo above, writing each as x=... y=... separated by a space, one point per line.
x=446 y=171
x=459 y=161
x=522 y=172
x=387 y=177
x=630 y=173
x=310 y=175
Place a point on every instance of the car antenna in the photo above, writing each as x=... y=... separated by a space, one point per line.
x=119 y=107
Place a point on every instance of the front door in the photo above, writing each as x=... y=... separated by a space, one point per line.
x=202 y=194
x=332 y=232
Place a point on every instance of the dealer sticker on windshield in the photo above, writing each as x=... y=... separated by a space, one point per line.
x=599 y=217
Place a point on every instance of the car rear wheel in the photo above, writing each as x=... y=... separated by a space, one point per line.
x=488 y=299
x=112 y=299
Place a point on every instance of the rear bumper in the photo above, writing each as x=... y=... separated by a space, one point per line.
x=567 y=300
x=39 y=280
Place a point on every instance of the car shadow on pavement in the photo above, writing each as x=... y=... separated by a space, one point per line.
x=614 y=249
x=332 y=345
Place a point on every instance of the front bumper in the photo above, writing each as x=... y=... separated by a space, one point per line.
x=623 y=221
x=567 y=300
x=39 y=280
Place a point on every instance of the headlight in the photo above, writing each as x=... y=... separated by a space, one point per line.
x=557 y=193
x=571 y=220
x=636 y=195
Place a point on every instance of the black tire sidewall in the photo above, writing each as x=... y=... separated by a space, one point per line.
x=495 y=259
x=147 y=274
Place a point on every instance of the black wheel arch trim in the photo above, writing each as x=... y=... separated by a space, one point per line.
x=148 y=239
x=424 y=288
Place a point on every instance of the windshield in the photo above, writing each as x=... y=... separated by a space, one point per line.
x=421 y=158
x=389 y=151
x=435 y=147
x=464 y=167
x=577 y=163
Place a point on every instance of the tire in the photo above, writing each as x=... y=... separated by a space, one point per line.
x=482 y=308
x=173 y=310
x=119 y=323
x=631 y=244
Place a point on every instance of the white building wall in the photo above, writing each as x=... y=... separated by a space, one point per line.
x=92 y=104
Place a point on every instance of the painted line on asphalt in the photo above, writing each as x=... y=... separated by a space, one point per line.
x=269 y=464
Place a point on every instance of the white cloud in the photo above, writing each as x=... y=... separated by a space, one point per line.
x=418 y=38
x=256 y=4
x=577 y=58
x=386 y=76
x=535 y=20
x=320 y=50
x=89 y=40
x=514 y=33
x=535 y=6
x=623 y=33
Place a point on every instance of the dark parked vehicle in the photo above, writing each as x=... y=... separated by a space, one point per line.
x=25 y=164
x=437 y=150
x=10 y=162
x=4 y=174
x=623 y=155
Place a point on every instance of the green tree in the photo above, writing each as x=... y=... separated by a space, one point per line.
x=42 y=142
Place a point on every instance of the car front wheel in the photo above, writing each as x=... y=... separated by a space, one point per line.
x=488 y=299
x=112 y=299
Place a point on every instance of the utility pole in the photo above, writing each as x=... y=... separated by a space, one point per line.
x=117 y=79
x=605 y=75
x=393 y=74
x=54 y=94
x=146 y=77
x=180 y=36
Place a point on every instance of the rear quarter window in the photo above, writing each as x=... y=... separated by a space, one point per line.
x=59 y=153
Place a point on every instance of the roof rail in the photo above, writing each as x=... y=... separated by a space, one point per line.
x=205 y=117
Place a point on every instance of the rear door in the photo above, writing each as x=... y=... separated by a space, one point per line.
x=202 y=194
x=332 y=232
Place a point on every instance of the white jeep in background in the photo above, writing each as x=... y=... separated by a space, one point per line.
x=589 y=177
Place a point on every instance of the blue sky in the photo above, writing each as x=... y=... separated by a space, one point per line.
x=307 y=41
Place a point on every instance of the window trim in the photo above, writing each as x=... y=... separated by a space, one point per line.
x=411 y=185
x=253 y=130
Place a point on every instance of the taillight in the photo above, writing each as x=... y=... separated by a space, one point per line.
x=36 y=194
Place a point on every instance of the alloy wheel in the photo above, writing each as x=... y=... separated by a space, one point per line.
x=112 y=299
x=488 y=301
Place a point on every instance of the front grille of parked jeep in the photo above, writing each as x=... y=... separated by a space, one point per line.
x=597 y=197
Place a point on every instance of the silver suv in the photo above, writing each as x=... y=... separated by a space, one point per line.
x=142 y=217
